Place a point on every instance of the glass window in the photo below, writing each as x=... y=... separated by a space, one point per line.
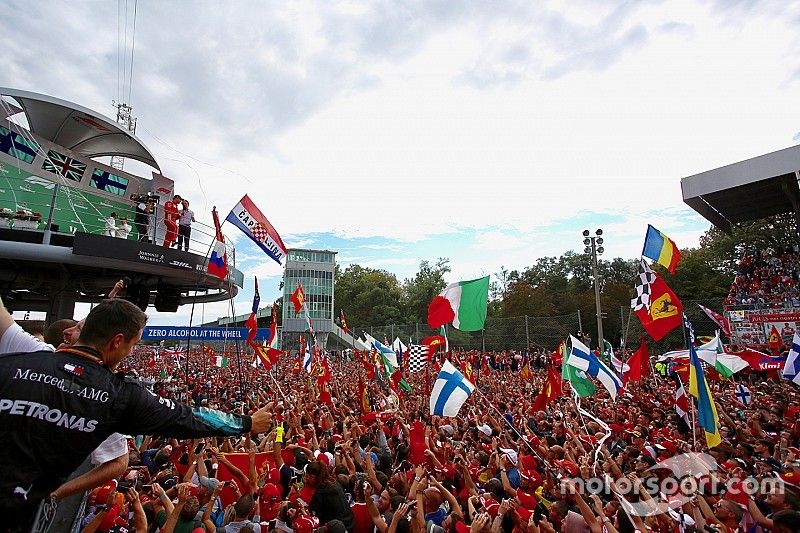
x=17 y=146
x=106 y=181
x=63 y=166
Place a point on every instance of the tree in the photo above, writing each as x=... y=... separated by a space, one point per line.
x=421 y=289
x=368 y=296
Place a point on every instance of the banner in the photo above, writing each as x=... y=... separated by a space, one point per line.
x=793 y=316
x=199 y=333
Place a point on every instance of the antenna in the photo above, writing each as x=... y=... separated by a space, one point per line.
x=128 y=121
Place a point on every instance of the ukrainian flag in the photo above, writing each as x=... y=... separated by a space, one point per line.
x=706 y=409
x=661 y=249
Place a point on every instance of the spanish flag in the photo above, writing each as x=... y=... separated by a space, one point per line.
x=661 y=249
x=707 y=416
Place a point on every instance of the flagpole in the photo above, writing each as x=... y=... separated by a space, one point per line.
x=694 y=426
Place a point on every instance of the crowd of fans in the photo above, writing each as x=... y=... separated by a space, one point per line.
x=384 y=464
x=767 y=279
x=373 y=458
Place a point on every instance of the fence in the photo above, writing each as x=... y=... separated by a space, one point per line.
x=519 y=333
x=515 y=333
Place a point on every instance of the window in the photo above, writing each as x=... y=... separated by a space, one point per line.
x=63 y=166
x=17 y=146
x=108 y=182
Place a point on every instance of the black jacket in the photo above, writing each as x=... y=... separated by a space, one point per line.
x=55 y=408
x=329 y=503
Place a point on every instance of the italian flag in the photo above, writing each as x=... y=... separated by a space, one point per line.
x=725 y=364
x=463 y=304
x=222 y=361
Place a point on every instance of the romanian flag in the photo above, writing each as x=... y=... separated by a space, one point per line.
x=661 y=249
x=707 y=416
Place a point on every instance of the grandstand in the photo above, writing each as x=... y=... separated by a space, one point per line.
x=766 y=289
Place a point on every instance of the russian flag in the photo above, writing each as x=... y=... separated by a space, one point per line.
x=218 y=262
x=248 y=218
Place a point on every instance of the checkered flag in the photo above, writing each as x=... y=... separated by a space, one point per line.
x=418 y=357
x=643 y=281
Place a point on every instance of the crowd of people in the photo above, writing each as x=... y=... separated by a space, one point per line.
x=767 y=279
x=240 y=448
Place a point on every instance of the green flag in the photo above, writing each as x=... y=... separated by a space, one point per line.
x=577 y=378
x=163 y=374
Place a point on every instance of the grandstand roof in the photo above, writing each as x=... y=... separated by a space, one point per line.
x=78 y=128
x=754 y=188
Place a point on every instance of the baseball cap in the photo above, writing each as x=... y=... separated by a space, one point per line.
x=211 y=483
x=511 y=454
x=485 y=429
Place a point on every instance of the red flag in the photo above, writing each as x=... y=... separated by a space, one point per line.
x=298 y=298
x=369 y=367
x=665 y=310
x=682 y=402
x=718 y=319
x=152 y=361
x=344 y=322
x=525 y=374
x=639 y=363
x=434 y=342
x=298 y=363
x=775 y=341
x=550 y=391
x=440 y=312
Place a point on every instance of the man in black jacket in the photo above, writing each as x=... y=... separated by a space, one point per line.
x=55 y=408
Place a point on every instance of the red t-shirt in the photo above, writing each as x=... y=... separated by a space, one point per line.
x=363 y=522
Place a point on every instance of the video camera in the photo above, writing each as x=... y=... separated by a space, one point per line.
x=149 y=197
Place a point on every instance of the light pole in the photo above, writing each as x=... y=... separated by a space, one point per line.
x=594 y=246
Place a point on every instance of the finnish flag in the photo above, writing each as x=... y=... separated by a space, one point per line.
x=583 y=359
x=450 y=391
x=791 y=369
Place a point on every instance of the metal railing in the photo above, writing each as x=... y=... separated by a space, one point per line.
x=52 y=207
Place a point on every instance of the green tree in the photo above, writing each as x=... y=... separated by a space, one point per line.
x=421 y=289
x=368 y=296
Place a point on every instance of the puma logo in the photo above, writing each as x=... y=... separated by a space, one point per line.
x=19 y=491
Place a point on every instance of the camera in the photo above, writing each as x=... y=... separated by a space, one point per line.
x=149 y=197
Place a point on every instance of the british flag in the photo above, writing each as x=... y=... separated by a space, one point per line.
x=64 y=166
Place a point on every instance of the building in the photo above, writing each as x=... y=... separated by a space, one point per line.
x=315 y=271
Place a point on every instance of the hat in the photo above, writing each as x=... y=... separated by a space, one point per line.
x=270 y=491
x=528 y=462
x=211 y=483
x=528 y=501
x=667 y=445
x=304 y=524
x=449 y=429
x=485 y=429
x=492 y=507
x=616 y=427
x=772 y=463
x=511 y=454
x=569 y=466
x=649 y=450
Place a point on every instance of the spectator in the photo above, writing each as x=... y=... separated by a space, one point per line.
x=185 y=225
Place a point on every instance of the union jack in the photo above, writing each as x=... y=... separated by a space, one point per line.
x=64 y=166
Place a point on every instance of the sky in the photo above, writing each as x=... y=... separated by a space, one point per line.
x=489 y=133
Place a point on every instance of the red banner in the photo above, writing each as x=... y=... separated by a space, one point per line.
x=774 y=317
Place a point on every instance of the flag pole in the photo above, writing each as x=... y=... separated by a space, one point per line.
x=694 y=426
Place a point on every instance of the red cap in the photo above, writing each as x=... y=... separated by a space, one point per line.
x=569 y=466
x=303 y=524
x=528 y=501
x=668 y=445
x=270 y=491
x=492 y=507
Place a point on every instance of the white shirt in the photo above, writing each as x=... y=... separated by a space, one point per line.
x=186 y=217
x=123 y=230
x=111 y=227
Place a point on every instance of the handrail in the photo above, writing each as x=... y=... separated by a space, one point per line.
x=33 y=212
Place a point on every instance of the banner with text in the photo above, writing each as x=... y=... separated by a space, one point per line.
x=200 y=333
